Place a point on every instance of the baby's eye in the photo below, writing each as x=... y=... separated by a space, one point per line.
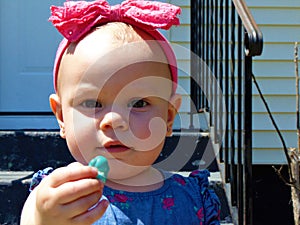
x=140 y=103
x=91 y=104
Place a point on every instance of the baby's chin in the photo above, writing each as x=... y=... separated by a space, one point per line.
x=125 y=172
x=142 y=181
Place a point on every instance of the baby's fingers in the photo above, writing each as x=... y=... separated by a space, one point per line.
x=71 y=191
x=92 y=215
x=70 y=173
x=74 y=164
x=82 y=205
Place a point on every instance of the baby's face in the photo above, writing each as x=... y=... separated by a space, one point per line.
x=116 y=102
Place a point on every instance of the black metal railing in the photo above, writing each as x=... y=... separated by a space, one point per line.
x=225 y=37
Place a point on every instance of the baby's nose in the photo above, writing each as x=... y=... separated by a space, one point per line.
x=113 y=120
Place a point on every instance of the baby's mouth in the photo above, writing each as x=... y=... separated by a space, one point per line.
x=115 y=147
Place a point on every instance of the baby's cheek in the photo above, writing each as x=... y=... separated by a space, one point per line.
x=149 y=134
x=141 y=129
x=82 y=140
x=73 y=146
x=77 y=155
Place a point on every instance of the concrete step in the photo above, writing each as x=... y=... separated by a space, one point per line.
x=14 y=189
x=34 y=150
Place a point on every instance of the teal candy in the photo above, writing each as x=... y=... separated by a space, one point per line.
x=101 y=164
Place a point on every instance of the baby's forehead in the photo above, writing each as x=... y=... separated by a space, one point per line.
x=123 y=32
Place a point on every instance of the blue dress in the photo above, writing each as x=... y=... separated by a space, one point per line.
x=180 y=201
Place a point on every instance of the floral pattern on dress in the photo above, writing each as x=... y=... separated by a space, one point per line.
x=121 y=199
x=180 y=180
x=200 y=214
x=168 y=203
x=195 y=172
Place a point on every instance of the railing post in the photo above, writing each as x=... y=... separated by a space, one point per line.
x=195 y=39
x=248 y=142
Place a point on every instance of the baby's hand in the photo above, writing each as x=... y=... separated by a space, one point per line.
x=70 y=195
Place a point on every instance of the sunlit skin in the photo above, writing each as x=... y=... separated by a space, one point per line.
x=114 y=99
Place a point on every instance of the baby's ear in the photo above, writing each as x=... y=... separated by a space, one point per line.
x=55 y=105
x=174 y=105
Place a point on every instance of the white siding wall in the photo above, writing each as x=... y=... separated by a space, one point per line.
x=280 y=23
x=274 y=69
x=180 y=35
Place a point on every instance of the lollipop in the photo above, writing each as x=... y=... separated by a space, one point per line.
x=101 y=164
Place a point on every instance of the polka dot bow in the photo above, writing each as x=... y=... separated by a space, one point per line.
x=76 y=18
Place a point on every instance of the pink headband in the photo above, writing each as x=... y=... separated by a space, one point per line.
x=76 y=18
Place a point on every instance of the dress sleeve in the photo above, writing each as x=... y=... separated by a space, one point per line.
x=38 y=177
x=211 y=203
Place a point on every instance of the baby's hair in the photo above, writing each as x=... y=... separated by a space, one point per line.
x=122 y=32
